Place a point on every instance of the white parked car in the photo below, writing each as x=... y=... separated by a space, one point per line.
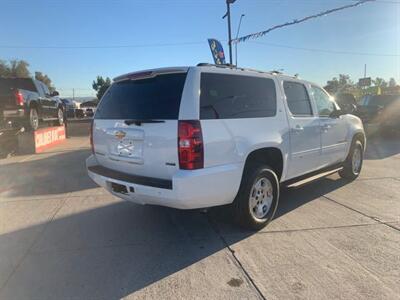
x=197 y=137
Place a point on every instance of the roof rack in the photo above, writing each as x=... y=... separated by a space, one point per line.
x=229 y=66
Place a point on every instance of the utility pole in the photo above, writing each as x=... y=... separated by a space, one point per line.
x=228 y=13
x=365 y=76
x=73 y=94
x=237 y=35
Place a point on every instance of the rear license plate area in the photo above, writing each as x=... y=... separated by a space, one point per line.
x=119 y=188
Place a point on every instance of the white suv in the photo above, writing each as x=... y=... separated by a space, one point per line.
x=197 y=137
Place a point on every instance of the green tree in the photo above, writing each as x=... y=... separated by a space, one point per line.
x=380 y=82
x=392 y=82
x=342 y=84
x=19 y=69
x=4 y=69
x=45 y=79
x=100 y=85
x=14 y=68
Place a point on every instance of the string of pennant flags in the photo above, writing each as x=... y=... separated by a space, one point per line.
x=297 y=21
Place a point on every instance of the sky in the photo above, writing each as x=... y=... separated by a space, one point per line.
x=73 y=41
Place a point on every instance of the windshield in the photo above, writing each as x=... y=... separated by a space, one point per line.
x=152 y=98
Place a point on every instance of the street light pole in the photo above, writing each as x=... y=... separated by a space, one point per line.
x=228 y=14
x=237 y=35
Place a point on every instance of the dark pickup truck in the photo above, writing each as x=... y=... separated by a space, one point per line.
x=25 y=102
x=382 y=111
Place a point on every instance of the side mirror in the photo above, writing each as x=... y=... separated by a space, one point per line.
x=54 y=94
x=336 y=113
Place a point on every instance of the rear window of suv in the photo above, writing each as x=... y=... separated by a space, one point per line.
x=158 y=97
x=233 y=96
x=7 y=84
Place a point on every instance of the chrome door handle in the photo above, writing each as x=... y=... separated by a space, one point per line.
x=326 y=126
x=298 y=129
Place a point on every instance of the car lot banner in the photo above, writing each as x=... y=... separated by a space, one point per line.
x=217 y=51
x=47 y=137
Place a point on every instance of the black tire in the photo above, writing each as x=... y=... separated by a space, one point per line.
x=241 y=205
x=33 y=119
x=351 y=171
x=60 y=117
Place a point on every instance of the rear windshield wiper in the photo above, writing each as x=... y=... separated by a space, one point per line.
x=139 y=122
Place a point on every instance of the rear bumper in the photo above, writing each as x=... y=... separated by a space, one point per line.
x=10 y=118
x=190 y=189
x=13 y=113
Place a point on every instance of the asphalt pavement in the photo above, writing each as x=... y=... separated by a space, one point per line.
x=62 y=237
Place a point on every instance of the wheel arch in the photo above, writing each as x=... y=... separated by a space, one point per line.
x=271 y=156
x=360 y=136
x=33 y=103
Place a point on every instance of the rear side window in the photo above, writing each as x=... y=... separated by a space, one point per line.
x=232 y=96
x=158 y=97
x=297 y=99
x=41 y=88
x=45 y=89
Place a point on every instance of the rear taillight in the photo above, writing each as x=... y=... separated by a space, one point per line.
x=91 y=136
x=19 y=99
x=190 y=145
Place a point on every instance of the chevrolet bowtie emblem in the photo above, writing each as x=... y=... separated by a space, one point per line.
x=120 y=134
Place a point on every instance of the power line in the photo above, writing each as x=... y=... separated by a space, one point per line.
x=101 y=46
x=294 y=22
x=383 y=1
x=76 y=89
x=326 y=50
x=203 y=43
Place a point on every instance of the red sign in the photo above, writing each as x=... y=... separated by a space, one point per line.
x=48 y=137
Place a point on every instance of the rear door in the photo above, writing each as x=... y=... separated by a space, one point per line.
x=305 y=138
x=333 y=129
x=52 y=104
x=136 y=124
x=44 y=104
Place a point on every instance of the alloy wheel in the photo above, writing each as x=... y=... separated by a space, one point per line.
x=261 y=197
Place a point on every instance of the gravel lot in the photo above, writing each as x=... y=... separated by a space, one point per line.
x=61 y=237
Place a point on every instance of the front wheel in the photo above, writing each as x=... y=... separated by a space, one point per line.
x=353 y=164
x=257 y=199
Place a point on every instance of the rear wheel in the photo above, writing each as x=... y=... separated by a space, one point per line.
x=60 y=117
x=353 y=164
x=33 y=118
x=257 y=199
